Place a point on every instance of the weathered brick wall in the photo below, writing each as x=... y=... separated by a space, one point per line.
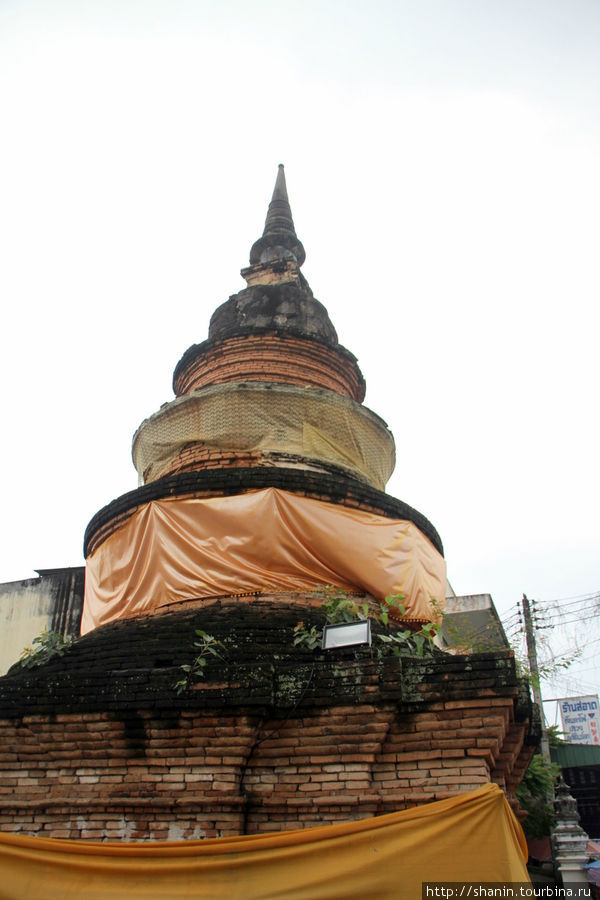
x=270 y=357
x=196 y=456
x=98 y=744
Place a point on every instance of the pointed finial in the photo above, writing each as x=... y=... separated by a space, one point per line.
x=279 y=240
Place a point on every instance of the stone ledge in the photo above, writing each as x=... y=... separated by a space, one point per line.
x=332 y=488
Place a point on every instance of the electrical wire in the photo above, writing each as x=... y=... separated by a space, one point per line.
x=575 y=598
x=514 y=615
x=568 y=611
x=555 y=609
x=570 y=622
x=591 y=602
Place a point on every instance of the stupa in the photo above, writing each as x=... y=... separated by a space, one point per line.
x=262 y=488
x=267 y=417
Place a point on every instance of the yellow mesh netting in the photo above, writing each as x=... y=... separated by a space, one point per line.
x=252 y=416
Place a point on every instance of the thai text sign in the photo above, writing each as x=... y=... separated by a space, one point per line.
x=581 y=719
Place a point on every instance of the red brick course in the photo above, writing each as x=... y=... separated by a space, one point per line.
x=197 y=456
x=271 y=357
x=212 y=775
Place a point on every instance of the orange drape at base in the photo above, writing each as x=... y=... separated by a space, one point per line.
x=471 y=837
x=179 y=549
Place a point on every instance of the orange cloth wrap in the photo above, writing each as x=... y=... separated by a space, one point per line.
x=268 y=540
x=471 y=837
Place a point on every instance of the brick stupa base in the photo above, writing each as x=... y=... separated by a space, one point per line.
x=98 y=744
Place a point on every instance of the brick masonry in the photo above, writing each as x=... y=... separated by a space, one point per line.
x=196 y=456
x=98 y=743
x=290 y=359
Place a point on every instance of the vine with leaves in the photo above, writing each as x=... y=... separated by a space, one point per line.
x=49 y=644
x=208 y=646
x=339 y=608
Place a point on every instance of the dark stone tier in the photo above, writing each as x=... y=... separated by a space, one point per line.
x=134 y=664
x=331 y=488
x=288 y=307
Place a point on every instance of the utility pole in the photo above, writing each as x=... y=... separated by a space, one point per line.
x=535 y=675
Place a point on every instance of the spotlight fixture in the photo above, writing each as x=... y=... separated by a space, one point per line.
x=348 y=634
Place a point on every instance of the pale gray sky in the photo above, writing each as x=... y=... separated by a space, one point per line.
x=442 y=165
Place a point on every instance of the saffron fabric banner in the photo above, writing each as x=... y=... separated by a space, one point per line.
x=180 y=549
x=471 y=837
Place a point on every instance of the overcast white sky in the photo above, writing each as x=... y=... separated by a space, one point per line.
x=442 y=160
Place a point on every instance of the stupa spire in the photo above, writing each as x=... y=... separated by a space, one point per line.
x=279 y=240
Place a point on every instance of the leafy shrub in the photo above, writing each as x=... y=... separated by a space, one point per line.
x=340 y=608
x=208 y=646
x=49 y=645
x=535 y=796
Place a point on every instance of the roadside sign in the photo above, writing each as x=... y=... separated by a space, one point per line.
x=581 y=719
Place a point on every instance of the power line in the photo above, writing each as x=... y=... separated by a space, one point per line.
x=569 y=608
x=556 y=617
x=550 y=616
x=514 y=618
x=574 y=686
x=560 y=624
x=516 y=607
x=575 y=598
x=591 y=669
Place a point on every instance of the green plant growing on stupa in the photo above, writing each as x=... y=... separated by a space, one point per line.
x=49 y=644
x=340 y=608
x=208 y=646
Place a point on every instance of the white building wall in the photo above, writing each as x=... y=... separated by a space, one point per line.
x=52 y=602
